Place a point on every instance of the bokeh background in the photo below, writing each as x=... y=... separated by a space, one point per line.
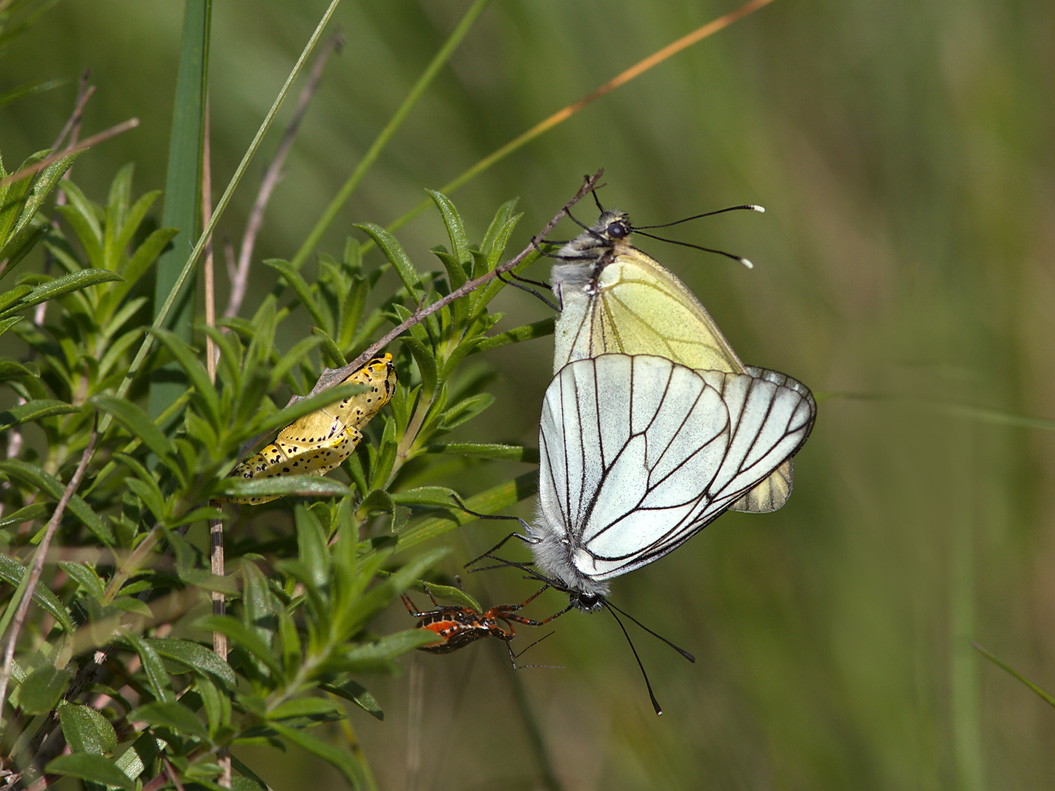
x=904 y=270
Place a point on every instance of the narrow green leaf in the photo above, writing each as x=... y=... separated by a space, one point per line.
x=86 y=730
x=369 y=656
x=158 y=677
x=527 y=332
x=195 y=657
x=242 y=638
x=86 y=577
x=397 y=255
x=172 y=715
x=33 y=476
x=11 y=571
x=94 y=768
x=1046 y=697
x=300 y=287
x=487 y=451
x=74 y=281
x=135 y=420
x=33 y=410
x=311 y=546
x=455 y=227
x=192 y=366
x=357 y=694
x=425 y=495
x=41 y=690
x=466 y=409
x=288 y=486
x=307 y=707
x=340 y=759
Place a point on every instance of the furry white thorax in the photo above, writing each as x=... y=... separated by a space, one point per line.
x=554 y=557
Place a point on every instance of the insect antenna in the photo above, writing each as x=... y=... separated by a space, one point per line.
x=648 y=684
x=659 y=637
x=738 y=258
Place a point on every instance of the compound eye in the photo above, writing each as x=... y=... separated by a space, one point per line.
x=617 y=229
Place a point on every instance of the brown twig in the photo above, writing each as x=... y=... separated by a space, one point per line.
x=51 y=159
x=272 y=175
x=38 y=563
x=72 y=127
x=334 y=375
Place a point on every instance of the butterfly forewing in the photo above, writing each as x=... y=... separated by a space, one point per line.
x=617 y=299
x=697 y=442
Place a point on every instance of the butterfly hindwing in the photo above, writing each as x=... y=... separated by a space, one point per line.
x=697 y=441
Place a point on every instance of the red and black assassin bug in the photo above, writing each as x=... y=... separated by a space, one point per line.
x=459 y=626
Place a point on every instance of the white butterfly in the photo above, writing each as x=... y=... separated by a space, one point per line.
x=639 y=453
x=615 y=298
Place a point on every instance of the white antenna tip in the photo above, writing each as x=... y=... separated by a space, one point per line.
x=746 y=263
x=757 y=208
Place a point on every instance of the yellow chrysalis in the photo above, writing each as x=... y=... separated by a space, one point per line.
x=322 y=440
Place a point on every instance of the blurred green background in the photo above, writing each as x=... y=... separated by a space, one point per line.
x=903 y=270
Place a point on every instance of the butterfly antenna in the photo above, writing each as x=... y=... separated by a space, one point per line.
x=648 y=684
x=659 y=637
x=741 y=207
x=738 y=258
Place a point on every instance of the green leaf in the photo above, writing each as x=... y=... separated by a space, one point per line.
x=373 y=656
x=527 y=332
x=194 y=656
x=242 y=637
x=397 y=255
x=86 y=730
x=94 y=768
x=307 y=707
x=74 y=281
x=311 y=546
x=466 y=409
x=158 y=677
x=36 y=478
x=86 y=577
x=357 y=694
x=426 y=495
x=33 y=410
x=300 y=287
x=172 y=715
x=194 y=369
x=340 y=759
x=288 y=486
x=41 y=690
x=487 y=451
x=135 y=420
x=11 y=571
x=1046 y=697
x=455 y=227
x=29 y=513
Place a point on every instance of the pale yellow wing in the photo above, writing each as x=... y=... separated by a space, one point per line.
x=616 y=299
x=322 y=440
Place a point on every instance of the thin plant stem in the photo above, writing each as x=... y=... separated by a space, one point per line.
x=37 y=568
x=221 y=206
x=568 y=111
x=386 y=134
